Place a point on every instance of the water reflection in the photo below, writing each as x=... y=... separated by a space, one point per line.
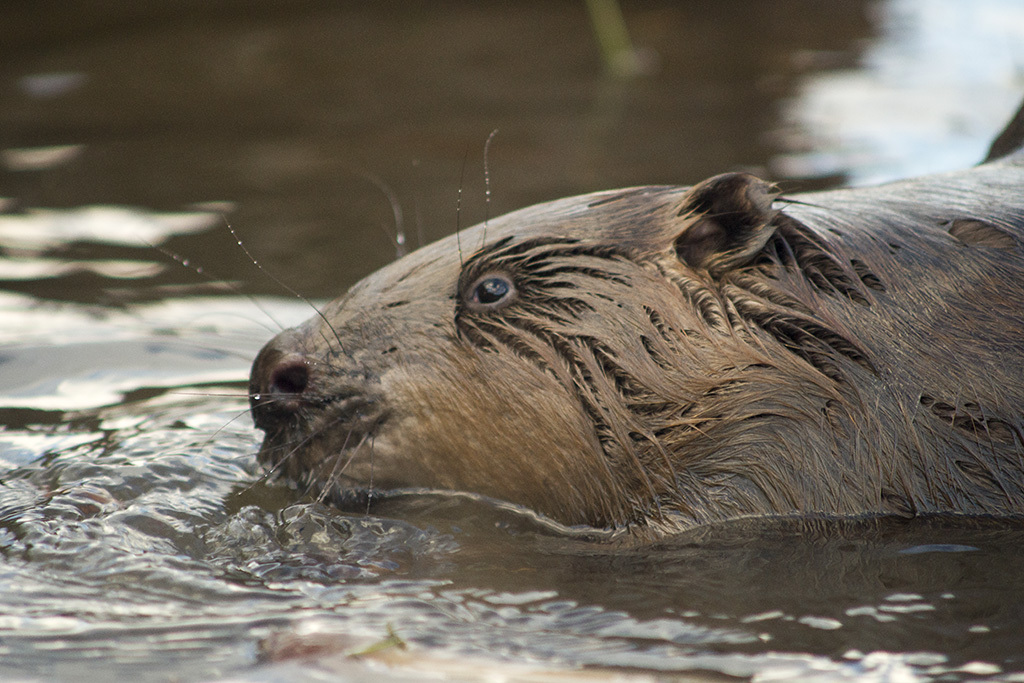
x=41 y=229
x=927 y=95
x=287 y=118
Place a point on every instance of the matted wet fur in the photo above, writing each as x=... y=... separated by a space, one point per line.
x=657 y=358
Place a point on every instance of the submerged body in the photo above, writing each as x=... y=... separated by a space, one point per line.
x=660 y=357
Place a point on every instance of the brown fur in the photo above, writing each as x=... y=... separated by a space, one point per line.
x=667 y=357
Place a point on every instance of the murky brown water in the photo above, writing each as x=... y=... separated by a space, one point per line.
x=136 y=536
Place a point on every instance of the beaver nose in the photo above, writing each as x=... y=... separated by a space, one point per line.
x=277 y=385
x=289 y=377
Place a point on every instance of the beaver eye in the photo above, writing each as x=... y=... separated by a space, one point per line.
x=491 y=291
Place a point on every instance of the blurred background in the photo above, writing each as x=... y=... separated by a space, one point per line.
x=290 y=116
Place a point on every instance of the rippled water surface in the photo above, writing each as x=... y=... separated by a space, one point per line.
x=138 y=537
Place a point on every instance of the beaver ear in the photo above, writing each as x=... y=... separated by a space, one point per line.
x=728 y=221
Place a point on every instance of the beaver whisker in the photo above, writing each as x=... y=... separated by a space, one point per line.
x=487 y=185
x=280 y=283
x=278 y=462
x=396 y=211
x=331 y=479
x=310 y=479
x=220 y=282
x=210 y=439
x=350 y=411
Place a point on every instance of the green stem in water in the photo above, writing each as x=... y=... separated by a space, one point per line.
x=620 y=59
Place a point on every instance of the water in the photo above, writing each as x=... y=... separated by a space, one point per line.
x=138 y=538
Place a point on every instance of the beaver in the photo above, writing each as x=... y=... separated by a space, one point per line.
x=651 y=359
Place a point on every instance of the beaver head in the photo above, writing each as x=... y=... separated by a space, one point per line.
x=637 y=358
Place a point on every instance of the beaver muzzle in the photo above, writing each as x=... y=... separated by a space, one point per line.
x=305 y=407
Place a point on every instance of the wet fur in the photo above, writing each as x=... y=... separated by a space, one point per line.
x=679 y=356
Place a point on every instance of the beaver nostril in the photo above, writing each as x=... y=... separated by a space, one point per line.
x=290 y=378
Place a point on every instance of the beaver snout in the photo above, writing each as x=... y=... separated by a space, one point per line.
x=291 y=389
x=278 y=383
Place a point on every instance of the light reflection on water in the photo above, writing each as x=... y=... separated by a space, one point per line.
x=137 y=538
x=927 y=95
